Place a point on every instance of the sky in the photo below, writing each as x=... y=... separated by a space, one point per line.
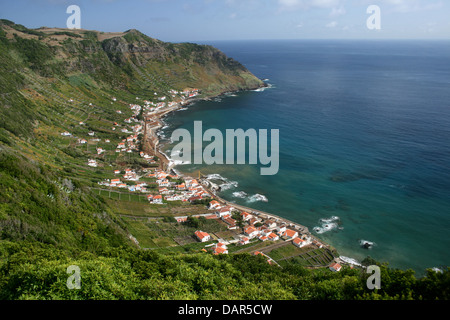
x=211 y=20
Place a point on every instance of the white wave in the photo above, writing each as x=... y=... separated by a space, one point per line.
x=329 y=220
x=257 y=197
x=263 y=88
x=325 y=228
x=350 y=260
x=228 y=185
x=366 y=244
x=216 y=176
x=178 y=162
x=240 y=194
x=327 y=224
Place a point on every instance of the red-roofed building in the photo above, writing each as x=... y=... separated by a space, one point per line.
x=192 y=199
x=335 y=267
x=246 y=216
x=181 y=219
x=299 y=242
x=224 y=211
x=290 y=234
x=220 y=250
x=158 y=199
x=273 y=237
x=202 y=236
x=181 y=186
x=214 y=204
x=251 y=231
x=244 y=241
x=164 y=190
x=222 y=245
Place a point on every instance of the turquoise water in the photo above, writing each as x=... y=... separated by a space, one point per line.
x=364 y=136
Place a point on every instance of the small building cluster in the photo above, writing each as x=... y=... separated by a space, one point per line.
x=255 y=227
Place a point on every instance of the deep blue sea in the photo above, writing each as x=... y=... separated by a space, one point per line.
x=364 y=137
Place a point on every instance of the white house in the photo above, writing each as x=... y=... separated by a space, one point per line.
x=220 y=248
x=214 y=204
x=251 y=231
x=158 y=199
x=270 y=224
x=244 y=241
x=246 y=216
x=224 y=211
x=92 y=163
x=164 y=190
x=299 y=242
x=280 y=229
x=273 y=237
x=202 y=236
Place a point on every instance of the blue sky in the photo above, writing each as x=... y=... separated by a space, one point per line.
x=203 y=20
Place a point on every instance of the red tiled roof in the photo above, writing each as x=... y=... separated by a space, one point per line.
x=289 y=233
x=201 y=234
x=218 y=250
x=336 y=266
x=249 y=230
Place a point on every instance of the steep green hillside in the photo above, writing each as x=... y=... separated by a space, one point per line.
x=55 y=80
x=52 y=217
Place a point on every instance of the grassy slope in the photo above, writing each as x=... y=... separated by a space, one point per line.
x=50 y=218
x=41 y=70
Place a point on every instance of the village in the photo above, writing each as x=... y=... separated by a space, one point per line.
x=247 y=226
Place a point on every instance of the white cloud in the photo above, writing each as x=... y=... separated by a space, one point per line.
x=336 y=12
x=407 y=6
x=332 y=24
x=324 y=3
x=306 y=4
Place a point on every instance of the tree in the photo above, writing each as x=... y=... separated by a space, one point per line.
x=239 y=220
x=192 y=222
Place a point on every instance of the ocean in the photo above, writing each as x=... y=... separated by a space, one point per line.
x=364 y=148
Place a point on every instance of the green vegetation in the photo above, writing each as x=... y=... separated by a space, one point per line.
x=53 y=213
x=37 y=271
